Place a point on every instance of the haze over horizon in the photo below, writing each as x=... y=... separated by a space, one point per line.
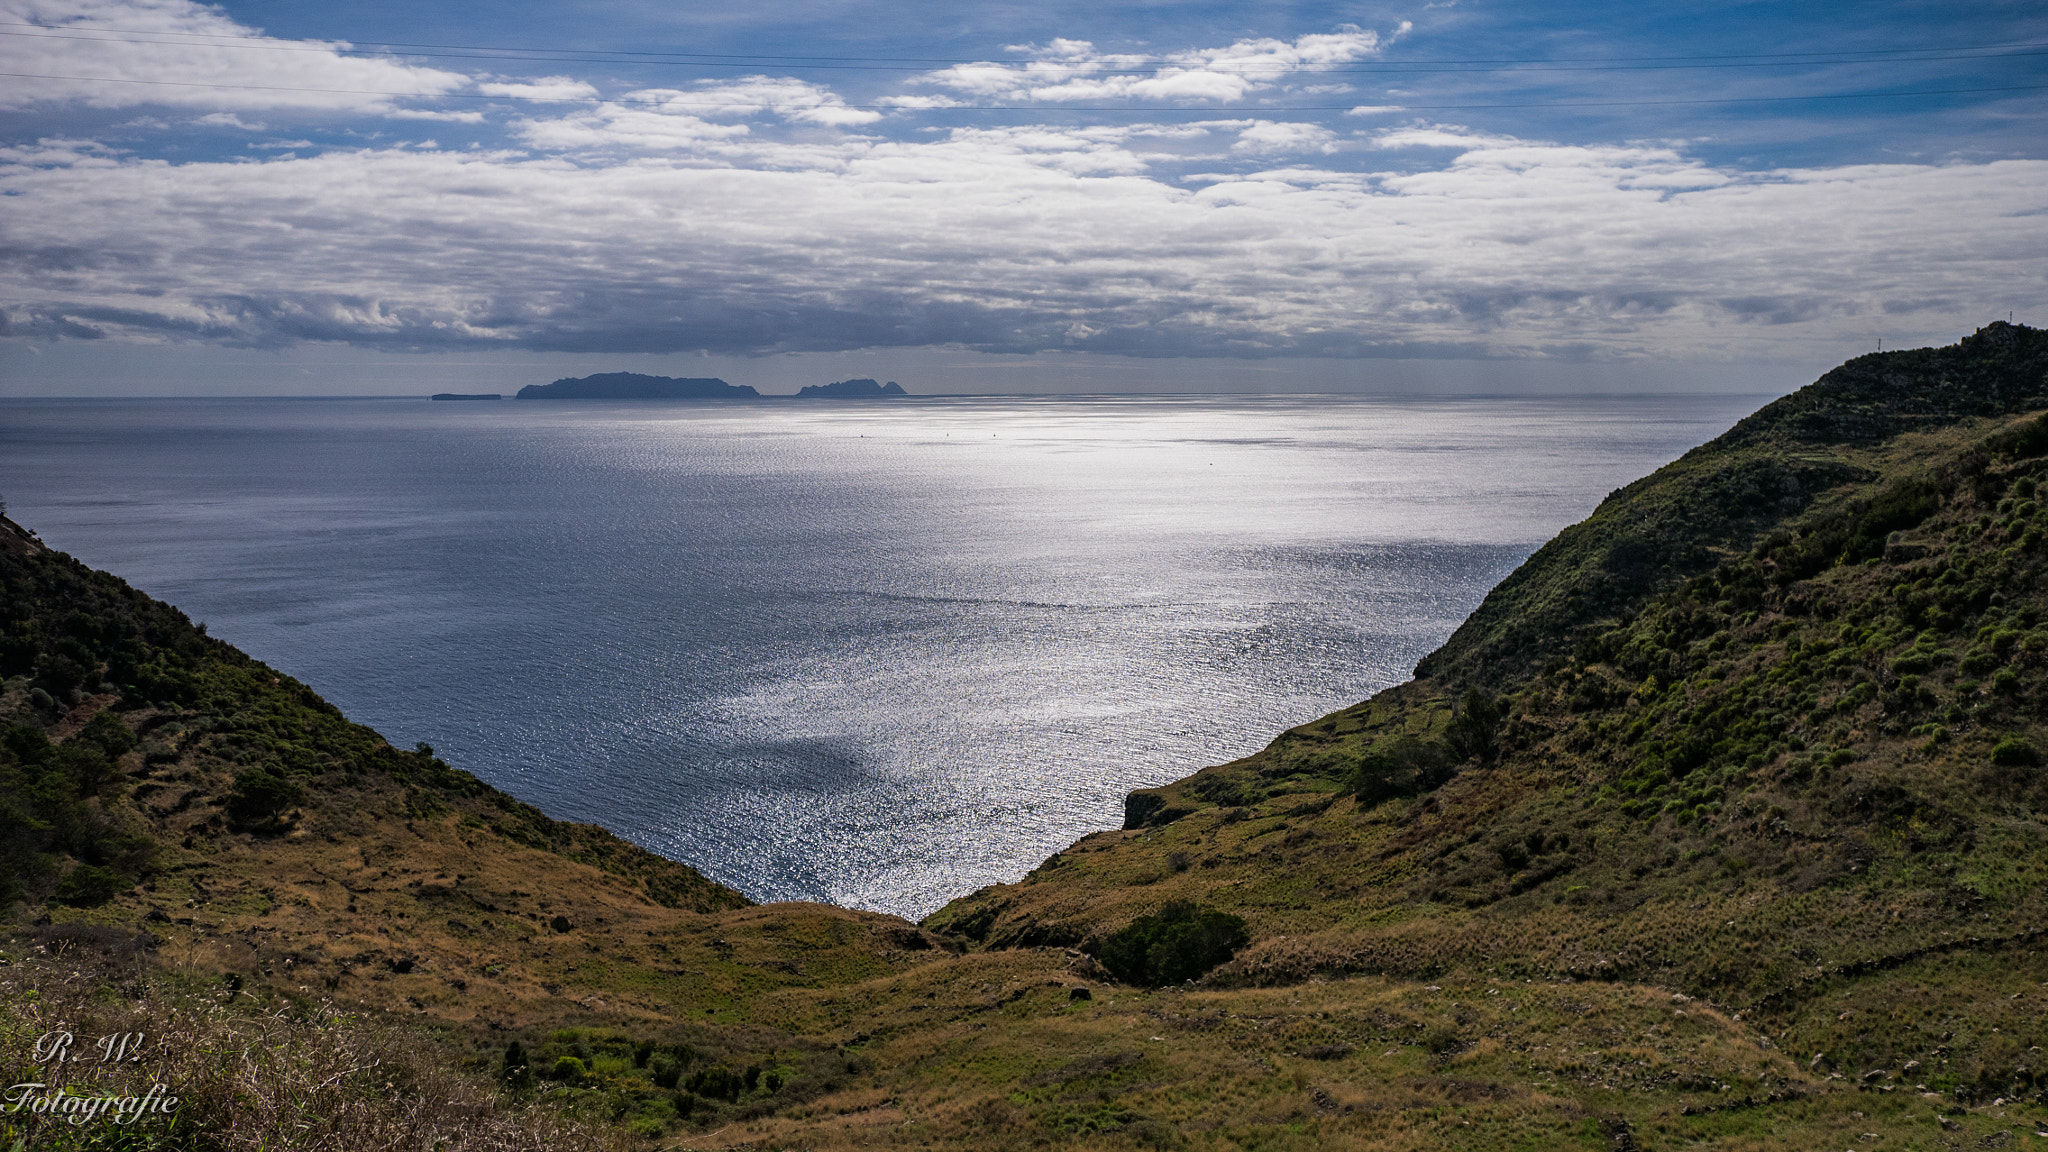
x=285 y=198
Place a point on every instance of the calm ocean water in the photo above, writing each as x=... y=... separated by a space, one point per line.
x=876 y=655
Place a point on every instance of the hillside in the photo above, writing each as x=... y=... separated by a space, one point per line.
x=1766 y=728
x=1721 y=824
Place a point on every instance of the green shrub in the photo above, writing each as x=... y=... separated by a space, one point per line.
x=46 y=813
x=107 y=731
x=260 y=796
x=719 y=1082
x=2015 y=752
x=1405 y=767
x=1178 y=943
x=1977 y=661
x=1474 y=734
x=90 y=884
x=568 y=1069
x=1513 y=856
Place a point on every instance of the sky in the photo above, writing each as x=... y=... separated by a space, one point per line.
x=288 y=198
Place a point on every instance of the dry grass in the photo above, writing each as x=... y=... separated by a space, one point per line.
x=989 y=1052
x=245 y=1077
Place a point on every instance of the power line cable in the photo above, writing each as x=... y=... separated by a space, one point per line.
x=1390 y=68
x=1036 y=108
x=888 y=63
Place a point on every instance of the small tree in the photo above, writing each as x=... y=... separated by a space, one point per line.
x=1474 y=732
x=516 y=1071
x=260 y=796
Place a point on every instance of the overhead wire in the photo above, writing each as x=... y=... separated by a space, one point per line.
x=2002 y=50
x=1036 y=107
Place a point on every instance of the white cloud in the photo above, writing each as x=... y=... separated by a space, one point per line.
x=547 y=88
x=613 y=127
x=794 y=100
x=1012 y=239
x=229 y=120
x=1071 y=70
x=60 y=153
x=1432 y=136
x=443 y=117
x=764 y=213
x=1269 y=138
x=919 y=102
x=673 y=119
x=188 y=55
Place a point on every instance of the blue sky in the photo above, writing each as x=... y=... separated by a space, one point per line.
x=379 y=197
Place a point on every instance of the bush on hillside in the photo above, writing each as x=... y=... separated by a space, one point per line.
x=88 y=885
x=1474 y=733
x=1403 y=767
x=47 y=811
x=718 y=1082
x=2015 y=752
x=1178 y=943
x=260 y=796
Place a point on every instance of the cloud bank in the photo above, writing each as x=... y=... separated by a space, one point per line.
x=128 y=53
x=769 y=214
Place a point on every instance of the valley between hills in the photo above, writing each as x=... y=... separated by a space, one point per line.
x=1722 y=823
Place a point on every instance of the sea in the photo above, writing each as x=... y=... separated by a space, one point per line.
x=875 y=654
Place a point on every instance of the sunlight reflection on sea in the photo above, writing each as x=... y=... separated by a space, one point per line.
x=872 y=654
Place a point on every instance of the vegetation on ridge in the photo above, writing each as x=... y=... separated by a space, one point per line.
x=1799 y=780
x=1681 y=520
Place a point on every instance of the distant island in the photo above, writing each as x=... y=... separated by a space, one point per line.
x=635 y=386
x=863 y=389
x=467 y=396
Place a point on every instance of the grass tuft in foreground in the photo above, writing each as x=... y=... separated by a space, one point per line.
x=85 y=1026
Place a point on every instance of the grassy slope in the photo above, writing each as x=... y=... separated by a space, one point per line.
x=392 y=882
x=1720 y=838
x=1773 y=783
